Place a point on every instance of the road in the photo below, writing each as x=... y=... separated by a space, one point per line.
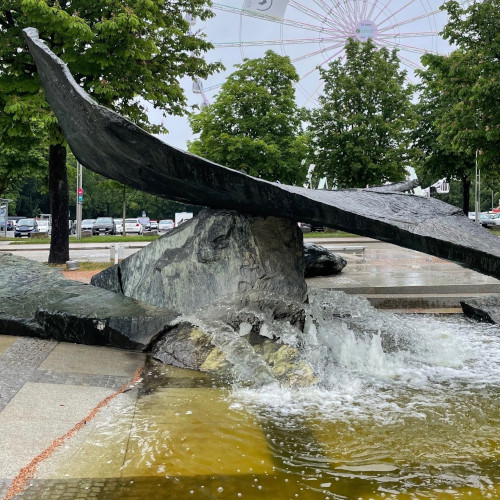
x=95 y=252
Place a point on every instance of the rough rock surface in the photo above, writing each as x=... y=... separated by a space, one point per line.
x=251 y=339
x=217 y=253
x=108 y=144
x=36 y=300
x=319 y=261
x=485 y=309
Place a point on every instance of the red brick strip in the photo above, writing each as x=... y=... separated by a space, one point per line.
x=28 y=472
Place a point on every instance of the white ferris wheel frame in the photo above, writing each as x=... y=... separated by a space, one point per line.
x=320 y=29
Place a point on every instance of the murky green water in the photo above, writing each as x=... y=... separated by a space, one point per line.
x=419 y=421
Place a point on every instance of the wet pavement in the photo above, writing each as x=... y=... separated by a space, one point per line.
x=400 y=279
x=47 y=387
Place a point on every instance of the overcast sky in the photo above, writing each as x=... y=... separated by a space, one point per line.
x=312 y=33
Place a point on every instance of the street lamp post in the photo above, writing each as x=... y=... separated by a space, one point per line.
x=477 y=193
x=79 y=200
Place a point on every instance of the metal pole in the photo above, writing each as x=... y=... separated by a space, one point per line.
x=78 y=202
x=4 y=207
x=476 y=194
x=124 y=210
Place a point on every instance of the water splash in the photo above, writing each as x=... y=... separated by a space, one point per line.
x=381 y=365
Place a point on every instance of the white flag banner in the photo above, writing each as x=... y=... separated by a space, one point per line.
x=275 y=8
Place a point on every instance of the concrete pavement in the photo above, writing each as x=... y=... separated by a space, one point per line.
x=402 y=280
x=46 y=388
x=82 y=252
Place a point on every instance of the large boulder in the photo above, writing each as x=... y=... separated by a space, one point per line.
x=217 y=253
x=319 y=261
x=37 y=300
x=485 y=309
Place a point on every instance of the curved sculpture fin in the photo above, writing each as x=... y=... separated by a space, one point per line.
x=112 y=146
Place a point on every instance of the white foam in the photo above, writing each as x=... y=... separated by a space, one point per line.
x=377 y=365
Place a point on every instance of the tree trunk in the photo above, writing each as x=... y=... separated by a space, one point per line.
x=465 y=193
x=59 y=205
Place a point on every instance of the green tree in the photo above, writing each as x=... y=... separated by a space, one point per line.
x=435 y=158
x=361 y=128
x=254 y=124
x=460 y=100
x=471 y=75
x=122 y=52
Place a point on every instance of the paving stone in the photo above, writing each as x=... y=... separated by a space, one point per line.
x=18 y=364
x=79 y=379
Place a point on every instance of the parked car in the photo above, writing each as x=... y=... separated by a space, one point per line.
x=10 y=226
x=165 y=225
x=133 y=226
x=104 y=225
x=44 y=226
x=119 y=226
x=145 y=222
x=493 y=219
x=25 y=227
x=87 y=224
x=153 y=225
x=486 y=220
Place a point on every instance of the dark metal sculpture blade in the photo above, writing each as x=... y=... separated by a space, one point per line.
x=110 y=145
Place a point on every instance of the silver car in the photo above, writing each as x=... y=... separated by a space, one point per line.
x=165 y=225
x=44 y=227
x=87 y=224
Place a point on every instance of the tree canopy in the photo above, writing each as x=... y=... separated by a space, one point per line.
x=472 y=75
x=123 y=53
x=254 y=124
x=459 y=105
x=435 y=158
x=361 y=129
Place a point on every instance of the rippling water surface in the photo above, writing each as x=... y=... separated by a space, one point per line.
x=405 y=407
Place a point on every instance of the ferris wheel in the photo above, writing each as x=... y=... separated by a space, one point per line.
x=314 y=32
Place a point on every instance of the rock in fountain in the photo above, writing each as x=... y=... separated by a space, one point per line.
x=218 y=253
x=319 y=261
x=486 y=309
x=37 y=301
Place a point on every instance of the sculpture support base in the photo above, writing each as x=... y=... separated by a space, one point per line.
x=218 y=253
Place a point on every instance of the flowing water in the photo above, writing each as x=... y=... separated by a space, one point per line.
x=406 y=406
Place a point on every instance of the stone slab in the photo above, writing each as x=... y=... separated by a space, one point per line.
x=39 y=301
x=83 y=359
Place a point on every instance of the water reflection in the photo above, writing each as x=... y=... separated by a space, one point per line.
x=405 y=407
